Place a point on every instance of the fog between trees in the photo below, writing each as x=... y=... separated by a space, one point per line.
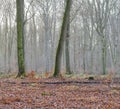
x=94 y=35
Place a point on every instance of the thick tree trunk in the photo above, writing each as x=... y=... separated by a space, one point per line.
x=60 y=47
x=20 y=37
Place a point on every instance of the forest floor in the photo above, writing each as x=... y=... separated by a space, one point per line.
x=56 y=93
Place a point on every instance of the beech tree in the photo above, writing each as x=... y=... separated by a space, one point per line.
x=102 y=13
x=20 y=36
x=67 y=51
x=60 y=47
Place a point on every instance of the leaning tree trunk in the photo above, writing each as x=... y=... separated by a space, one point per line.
x=60 y=47
x=20 y=37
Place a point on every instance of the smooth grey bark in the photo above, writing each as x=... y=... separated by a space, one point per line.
x=68 y=70
x=10 y=45
x=60 y=47
x=85 y=34
x=20 y=37
x=35 y=44
x=54 y=17
x=91 y=35
x=47 y=34
x=6 y=45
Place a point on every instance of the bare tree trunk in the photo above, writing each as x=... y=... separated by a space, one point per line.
x=20 y=37
x=68 y=70
x=104 y=51
x=60 y=47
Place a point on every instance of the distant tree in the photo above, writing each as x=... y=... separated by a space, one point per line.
x=60 y=47
x=67 y=52
x=102 y=13
x=20 y=37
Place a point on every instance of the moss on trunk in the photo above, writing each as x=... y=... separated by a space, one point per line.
x=20 y=37
x=60 y=47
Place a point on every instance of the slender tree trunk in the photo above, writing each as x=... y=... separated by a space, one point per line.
x=84 y=44
x=60 y=47
x=68 y=70
x=104 y=51
x=54 y=33
x=47 y=27
x=6 y=45
x=20 y=37
x=35 y=42
x=10 y=45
